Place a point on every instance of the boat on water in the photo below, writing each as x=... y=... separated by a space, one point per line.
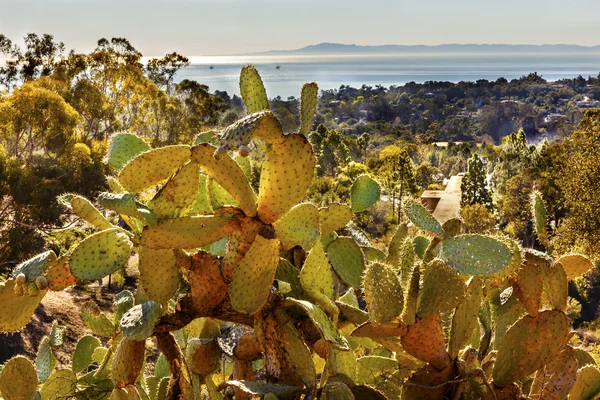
x=212 y=67
x=278 y=67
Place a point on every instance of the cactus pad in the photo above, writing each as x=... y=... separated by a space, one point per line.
x=373 y=254
x=587 y=384
x=575 y=265
x=538 y=211
x=475 y=254
x=252 y=90
x=61 y=385
x=159 y=274
x=123 y=148
x=261 y=125
x=364 y=193
x=127 y=362
x=411 y=295
x=395 y=247
x=178 y=194
x=464 y=321
x=131 y=210
x=138 y=323
x=287 y=172
x=203 y=356
x=228 y=174
x=298 y=227
x=422 y=218
x=555 y=380
x=420 y=243
x=442 y=291
x=528 y=284
x=347 y=260
x=96 y=320
x=336 y=391
x=383 y=293
x=334 y=217
x=45 y=361
x=425 y=340
x=253 y=277
x=521 y=351
x=201 y=205
x=16 y=310
x=100 y=254
x=556 y=287
x=35 y=266
x=18 y=379
x=256 y=388
x=85 y=210
x=82 y=358
x=315 y=276
x=308 y=106
x=187 y=232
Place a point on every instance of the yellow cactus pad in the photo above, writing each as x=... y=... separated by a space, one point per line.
x=16 y=310
x=253 y=277
x=287 y=172
x=315 y=276
x=153 y=167
x=159 y=274
x=442 y=289
x=587 y=385
x=227 y=173
x=18 y=379
x=300 y=226
x=178 y=194
x=85 y=210
x=575 y=265
x=253 y=90
x=187 y=232
x=308 y=106
x=334 y=217
x=127 y=362
x=464 y=321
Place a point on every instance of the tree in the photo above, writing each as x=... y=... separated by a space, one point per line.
x=474 y=186
x=331 y=150
x=162 y=70
x=477 y=218
x=397 y=173
x=425 y=174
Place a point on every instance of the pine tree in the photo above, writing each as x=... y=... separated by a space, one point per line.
x=474 y=187
x=397 y=173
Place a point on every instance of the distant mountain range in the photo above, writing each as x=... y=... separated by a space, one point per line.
x=337 y=48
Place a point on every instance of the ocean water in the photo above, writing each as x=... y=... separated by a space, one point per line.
x=332 y=71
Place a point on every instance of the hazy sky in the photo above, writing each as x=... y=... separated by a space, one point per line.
x=208 y=27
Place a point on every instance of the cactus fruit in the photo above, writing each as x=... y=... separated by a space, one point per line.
x=100 y=254
x=178 y=194
x=464 y=320
x=41 y=282
x=82 y=358
x=575 y=265
x=422 y=218
x=521 y=351
x=538 y=211
x=329 y=332
x=138 y=323
x=228 y=174
x=364 y=193
x=203 y=356
x=587 y=384
x=308 y=106
x=347 y=260
x=18 y=379
x=252 y=278
x=188 y=232
x=475 y=254
x=16 y=310
x=383 y=293
x=123 y=148
x=287 y=172
x=555 y=380
x=298 y=227
x=127 y=362
x=425 y=340
x=159 y=274
x=153 y=167
x=252 y=90
x=442 y=291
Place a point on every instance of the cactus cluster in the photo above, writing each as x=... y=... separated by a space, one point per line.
x=255 y=295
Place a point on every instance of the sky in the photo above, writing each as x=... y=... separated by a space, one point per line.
x=219 y=27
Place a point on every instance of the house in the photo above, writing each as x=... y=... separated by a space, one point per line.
x=587 y=103
x=444 y=204
x=553 y=117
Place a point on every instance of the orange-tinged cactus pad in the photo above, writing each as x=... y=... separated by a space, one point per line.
x=530 y=344
x=59 y=275
x=253 y=277
x=347 y=260
x=238 y=244
x=253 y=90
x=529 y=281
x=464 y=320
x=287 y=172
x=153 y=167
x=18 y=379
x=188 y=232
x=383 y=293
x=425 y=340
x=159 y=274
x=127 y=362
x=227 y=173
x=575 y=265
x=203 y=356
x=100 y=254
x=298 y=227
x=178 y=194
x=555 y=380
x=425 y=378
x=442 y=291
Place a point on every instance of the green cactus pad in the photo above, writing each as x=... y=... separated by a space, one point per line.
x=201 y=205
x=122 y=302
x=538 y=211
x=464 y=320
x=153 y=167
x=96 y=320
x=123 y=148
x=228 y=174
x=206 y=137
x=217 y=196
x=188 y=232
x=575 y=265
x=298 y=227
x=178 y=194
x=316 y=277
x=256 y=388
x=138 y=323
x=82 y=358
x=475 y=254
x=587 y=384
x=127 y=362
x=100 y=254
x=420 y=244
x=555 y=380
x=85 y=210
x=442 y=291
x=35 y=266
x=18 y=379
x=252 y=90
x=308 y=106
x=336 y=391
x=321 y=321
x=253 y=277
x=61 y=385
x=425 y=340
x=583 y=357
x=523 y=338
x=395 y=248
x=16 y=310
x=159 y=274
x=383 y=293
x=372 y=254
x=364 y=193
x=371 y=367
x=287 y=173
x=422 y=218
x=45 y=361
x=131 y=210
x=287 y=272
x=347 y=260
x=334 y=217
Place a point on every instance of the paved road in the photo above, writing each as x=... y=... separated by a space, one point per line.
x=449 y=205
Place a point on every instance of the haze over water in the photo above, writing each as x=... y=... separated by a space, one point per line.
x=386 y=70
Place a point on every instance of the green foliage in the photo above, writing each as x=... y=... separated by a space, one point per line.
x=474 y=186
